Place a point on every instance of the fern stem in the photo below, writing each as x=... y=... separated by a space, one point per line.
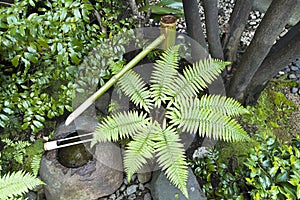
x=113 y=80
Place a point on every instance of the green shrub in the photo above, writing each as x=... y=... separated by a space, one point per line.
x=42 y=43
x=271 y=171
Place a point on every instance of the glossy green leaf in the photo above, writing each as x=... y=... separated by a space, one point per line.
x=15 y=60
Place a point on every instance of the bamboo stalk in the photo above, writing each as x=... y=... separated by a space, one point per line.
x=78 y=111
x=168 y=28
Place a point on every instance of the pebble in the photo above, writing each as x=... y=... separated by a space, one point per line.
x=292 y=76
x=141 y=187
x=132 y=197
x=294 y=89
x=294 y=68
x=123 y=187
x=147 y=196
x=287 y=70
x=297 y=63
x=131 y=189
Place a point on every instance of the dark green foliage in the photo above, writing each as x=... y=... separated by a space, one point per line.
x=271 y=171
x=274 y=170
x=163 y=7
x=42 y=44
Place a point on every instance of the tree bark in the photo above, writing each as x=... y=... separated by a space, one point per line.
x=212 y=28
x=286 y=50
x=270 y=27
x=193 y=22
x=237 y=23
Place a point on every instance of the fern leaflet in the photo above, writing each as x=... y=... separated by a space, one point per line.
x=164 y=73
x=196 y=76
x=193 y=118
x=119 y=126
x=139 y=149
x=17 y=183
x=134 y=87
x=170 y=156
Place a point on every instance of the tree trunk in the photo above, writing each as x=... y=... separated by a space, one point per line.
x=286 y=50
x=237 y=23
x=212 y=28
x=270 y=27
x=193 y=22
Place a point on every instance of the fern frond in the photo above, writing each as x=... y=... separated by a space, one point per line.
x=193 y=118
x=196 y=77
x=139 y=149
x=17 y=183
x=171 y=157
x=119 y=126
x=164 y=73
x=135 y=88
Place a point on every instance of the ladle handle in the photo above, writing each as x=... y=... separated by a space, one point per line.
x=53 y=144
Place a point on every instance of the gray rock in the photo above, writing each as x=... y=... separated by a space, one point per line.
x=299 y=92
x=144 y=177
x=294 y=90
x=147 y=196
x=131 y=189
x=162 y=189
x=98 y=178
x=292 y=76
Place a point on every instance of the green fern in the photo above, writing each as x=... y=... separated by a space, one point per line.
x=35 y=164
x=210 y=115
x=17 y=183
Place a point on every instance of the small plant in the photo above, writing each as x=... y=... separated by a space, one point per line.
x=176 y=94
x=21 y=155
